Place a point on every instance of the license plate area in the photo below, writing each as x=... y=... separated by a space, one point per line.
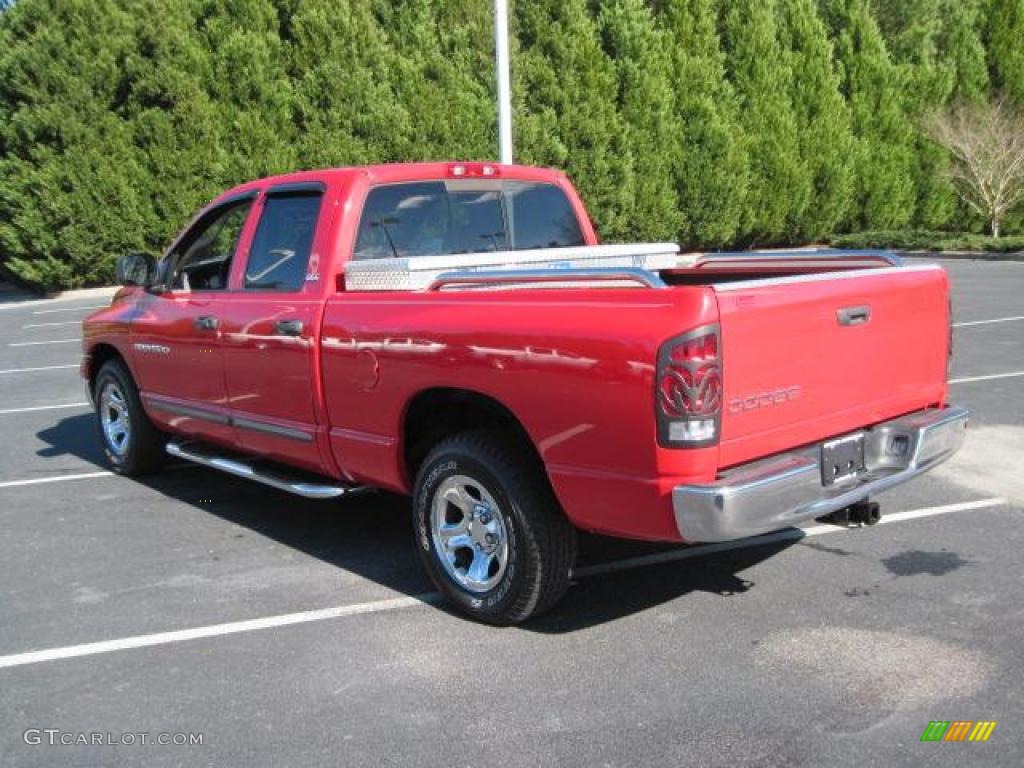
x=842 y=458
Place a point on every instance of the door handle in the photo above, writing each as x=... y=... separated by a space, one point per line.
x=288 y=327
x=207 y=323
x=853 y=315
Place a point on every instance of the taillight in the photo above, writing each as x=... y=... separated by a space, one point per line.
x=688 y=389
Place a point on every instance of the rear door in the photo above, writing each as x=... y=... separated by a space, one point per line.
x=176 y=336
x=270 y=328
x=814 y=356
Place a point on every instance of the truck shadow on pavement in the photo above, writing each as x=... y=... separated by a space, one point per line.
x=610 y=596
x=370 y=536
x=75 y=436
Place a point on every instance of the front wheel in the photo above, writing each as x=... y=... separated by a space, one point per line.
x=489 y=529
x=133 y=446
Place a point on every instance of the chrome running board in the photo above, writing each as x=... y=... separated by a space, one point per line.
x=241 y=467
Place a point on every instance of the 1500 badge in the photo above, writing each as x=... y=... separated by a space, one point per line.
x=764 y=399
x=154 y=349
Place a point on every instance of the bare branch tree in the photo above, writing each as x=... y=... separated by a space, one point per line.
x=986 y=142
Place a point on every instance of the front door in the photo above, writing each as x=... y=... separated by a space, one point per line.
x=269 y=330
x=176 y=338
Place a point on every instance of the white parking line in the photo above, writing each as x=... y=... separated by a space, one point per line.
x=54 y=479
x=40 y=343
x=43 y=408
x=988 y=322
x=216 y=630
x=52 y=325
x=968 y=379
x=83 y=476
x=40 y=368
x=69 y=309
x=380 y=606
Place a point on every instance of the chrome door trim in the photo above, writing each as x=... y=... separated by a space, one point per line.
x=254 y=425
x=242 y=422
x=191 y=411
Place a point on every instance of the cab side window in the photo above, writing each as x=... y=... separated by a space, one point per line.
x=202 y=261
x=279 y=256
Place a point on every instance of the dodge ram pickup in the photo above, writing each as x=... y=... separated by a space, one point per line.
x=455 y=332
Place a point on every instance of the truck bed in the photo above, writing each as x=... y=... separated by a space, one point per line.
x=573 y=357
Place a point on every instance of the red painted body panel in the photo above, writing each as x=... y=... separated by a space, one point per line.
x=575 y=366
x=190 y=373
x=269 y=377
x=779 y=336
x=584 y=394
x=109 y=328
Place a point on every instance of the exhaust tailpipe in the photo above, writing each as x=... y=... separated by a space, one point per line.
x=872 y=512
x=862 y=513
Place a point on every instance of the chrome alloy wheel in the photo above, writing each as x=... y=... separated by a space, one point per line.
x=469 y=535
x=114 y=419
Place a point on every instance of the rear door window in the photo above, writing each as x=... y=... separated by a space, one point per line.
x=437 y=218
x=279 y=255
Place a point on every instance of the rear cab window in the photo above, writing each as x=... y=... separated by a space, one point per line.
x=436 y=218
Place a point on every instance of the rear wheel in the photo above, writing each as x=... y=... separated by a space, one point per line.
x=133 y=446
x=489 y=529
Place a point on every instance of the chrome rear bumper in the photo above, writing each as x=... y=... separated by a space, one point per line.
x=787 y=489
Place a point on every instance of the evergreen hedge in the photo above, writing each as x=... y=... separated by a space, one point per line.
x=718 y=123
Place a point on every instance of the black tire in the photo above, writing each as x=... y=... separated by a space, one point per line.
x=541 y=543
x=142 y=449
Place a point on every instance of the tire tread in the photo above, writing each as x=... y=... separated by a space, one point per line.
x=551 y=536
x=147 y=452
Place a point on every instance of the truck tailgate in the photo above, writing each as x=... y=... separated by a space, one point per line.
x=814 y=356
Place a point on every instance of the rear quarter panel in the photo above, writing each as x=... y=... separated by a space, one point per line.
x=575 y=366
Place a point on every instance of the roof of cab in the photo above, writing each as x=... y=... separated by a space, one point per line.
x=392 y=173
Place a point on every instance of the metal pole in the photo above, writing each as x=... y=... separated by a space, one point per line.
x=504 y=84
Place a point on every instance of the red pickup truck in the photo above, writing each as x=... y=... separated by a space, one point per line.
x=454 y=331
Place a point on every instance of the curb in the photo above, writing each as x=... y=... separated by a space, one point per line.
x=83 y=293
x=18 y=298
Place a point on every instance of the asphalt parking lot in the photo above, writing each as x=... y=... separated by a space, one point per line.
x=290 y=632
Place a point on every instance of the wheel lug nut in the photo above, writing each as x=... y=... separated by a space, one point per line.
x=485 y=518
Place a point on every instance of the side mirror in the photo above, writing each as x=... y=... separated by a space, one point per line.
x=136 y=269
